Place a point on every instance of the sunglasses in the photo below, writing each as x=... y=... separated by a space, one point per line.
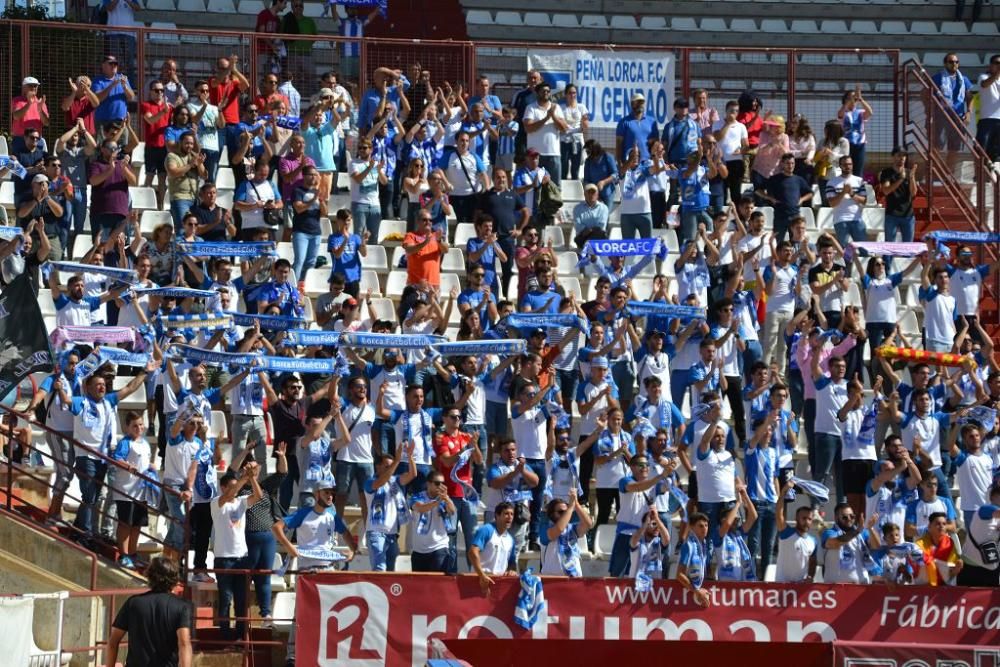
x=454 y=416
x=437 y=482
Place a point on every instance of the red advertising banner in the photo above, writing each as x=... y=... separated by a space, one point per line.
x=870 y=654
x=369 y=620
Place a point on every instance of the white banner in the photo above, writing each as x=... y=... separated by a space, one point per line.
x=607 y=80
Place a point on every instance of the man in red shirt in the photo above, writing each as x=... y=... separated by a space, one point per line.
x=268 y=21
x=80 y=103
x=225 y=88
x=155 y=117
x=269 y=93
x=449 y=446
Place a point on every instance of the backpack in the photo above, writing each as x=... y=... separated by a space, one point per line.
x=549 y=199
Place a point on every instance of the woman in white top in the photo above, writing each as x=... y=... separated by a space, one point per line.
x=880 y=299
x=802 y=143
x=733 y=142
x=415 y=184
x=560 y=548
x=827 y=159
x=659 y=185
x=577 y=119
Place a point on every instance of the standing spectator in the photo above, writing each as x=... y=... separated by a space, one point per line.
x=943 y=564
x=522 y=100
x=693 y=183
x=174 y=92
x=831 y=397
x=366 y=175
x=208 y=123
x=880 y=300
x=352 y=27
x=834 y=147
x=773 y=145
x=80 y=103
x=528 y=181
x=484 y=250
x=292 y=166
x=802 y=144
x=321 y=140
x=578 y=123
x=980 y=562
x=31 y=157
x=113 y=90
x=215 y=223
x=308 y=207
x=122 y=43
x=940 y=308
x=637 y=492
x=600 y=169
x=387 y=89
x=28 y=111
x=155 y=118
x=256 y=198
x=229 y=519
x=828 y=281
x=184 y=168
x=797 y=546
x=695 y=558
x=734 y=143
x=110 y=178
x=492 y=106
x=899 y=185
x=492 y=551
x=846 y=543
x=290 y=92
x=158 y=623
x=346 y=249
x=225 y=88
x=681 y=137
x=543 y=122
x=268 y=22
x=634 y=131
x=988 y=125
x=636 y=209
x=510 y=217
x=385 y=499
x=749 y=115
x=706 y=116
x=927 y=504
x=449 y=447
x=468 y=177
x=787 y=192
x=268 y=92
x=781 y=279
x=300 y=59
x=969 y=278
x=955 y=91
x=424 y=250
x=848 y=194
x=853 y=114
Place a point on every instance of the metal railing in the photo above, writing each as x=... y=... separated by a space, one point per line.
x=961 y=187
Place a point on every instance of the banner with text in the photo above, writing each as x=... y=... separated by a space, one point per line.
x=368 y=620
x=607 y=80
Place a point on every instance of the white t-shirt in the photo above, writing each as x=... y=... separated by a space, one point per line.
x=230 y=522
x=587 y=392
x=126 y=484
x=247 y=398
x=545 y=139
x=750 y=243
x=254 y=218
x=365 y=192
x=464 y=181
x=428 y=529
x=974 y=474
x=653 y=365
x=732 y=141
x=939 y=316
x=830 y=398
x=178 y=457
x=359 y=449
x=574 y=117
x=928 y=429
x=716 y=473
x=635 y=190
x=989 y=99
x=781 y=298
x=848 y=209
x=966 y=287
x=794 y=552
x=383 y=505
x=529 y=430
x=494 y=549
x=881 y=300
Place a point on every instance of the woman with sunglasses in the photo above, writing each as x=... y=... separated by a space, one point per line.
x=415 y=184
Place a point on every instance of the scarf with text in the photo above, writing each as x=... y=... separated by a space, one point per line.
x=225 y=249
x=386 y=340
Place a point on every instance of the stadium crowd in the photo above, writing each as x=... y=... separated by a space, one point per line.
x=692 y=413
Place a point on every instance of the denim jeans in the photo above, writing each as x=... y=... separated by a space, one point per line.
x=751 y=355
x=760 y=541
x=538 y=467
x=621 y=556
x=287 y=484
x=434 y=561
x=305 y=248
x=367 y=217
x=212 y=159
x=570 y=154
x=858 y=152
x=383 y=549
x=91 y=474
x=467 y=520
x=809 y=419
x=689 y=223
x=552 y=164
x=678 y=385
x=637 y=222
x=850 y=230
x=178 y=208
x=232 y=590
x=568 y=381
x=827 y=456
x=903 y=225
x=623 y=372
x=177 y=512
x=78 y=216
x=478 y=432
x=497 y=419
x=261 y=547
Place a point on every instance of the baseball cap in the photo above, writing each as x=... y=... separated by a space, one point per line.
x=537 y=331
x=40 y=178
x=30 y=81
x=589 y=186
x=350 y=302
x=599 y=362
x=325 y=92
x=638 y=97
x=532 y=153
x=110 y=59
x=656 y=333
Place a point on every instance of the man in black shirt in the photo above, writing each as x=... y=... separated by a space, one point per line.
x=158 y=623
x=786 y=192
x=214 y=222
x=31 y=159
x=899 y=187
x=510 y=216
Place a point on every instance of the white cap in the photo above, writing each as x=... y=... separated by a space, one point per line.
x=30 y=81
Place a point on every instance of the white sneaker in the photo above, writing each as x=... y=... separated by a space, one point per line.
x=267 y=622
x=203 y=578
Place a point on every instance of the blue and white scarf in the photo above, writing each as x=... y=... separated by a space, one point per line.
x=595 y=252
x=268 y=322
x=219 y=321
x=545 y=321
x=386 y=340
x=426 y=431
x=568 y=548
x=481 y=347
x=11 y=164
x=8 y=233
x=310 y=338
x=176 y=292
x=682 y=498
x=307 y=365
x=981 y=416
x=199 y=355
x=126 y=275
x=570 y=459
x=530 y=604
x=224 y=249
x=944 y=235
x=468 y=492
x=816 y=490
x=424 y=518
x=650 y=562
x=382 y=5
x=104 y=355
x=390 y=492
x=681 y=312
x=150 y=490
x=952 y=93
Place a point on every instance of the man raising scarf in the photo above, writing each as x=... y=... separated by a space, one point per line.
x=569 y=522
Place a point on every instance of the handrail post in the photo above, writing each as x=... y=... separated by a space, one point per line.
x=791 y=82
x=930 y=155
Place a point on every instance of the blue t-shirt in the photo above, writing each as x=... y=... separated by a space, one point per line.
x=636 y=132
x=696 y=556
x=694 y=189
x=321 y=145
x=115 y=105
x=487 y=260
x=956 y=90
x=477 y=301
x=534 y=301
x=349 y=263
x=306 y=222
